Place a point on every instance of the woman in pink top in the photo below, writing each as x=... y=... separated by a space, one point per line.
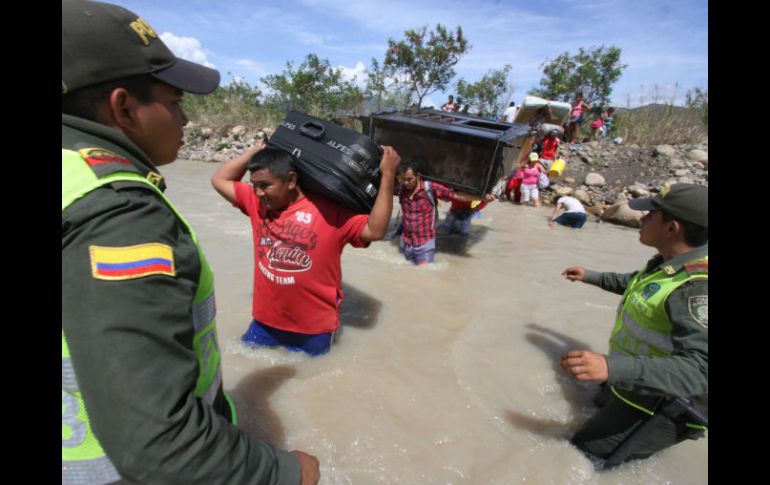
x=597 y=125
x=530 y=174
x=576 y=117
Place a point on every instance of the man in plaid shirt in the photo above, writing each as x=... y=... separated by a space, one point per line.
x=418 y=209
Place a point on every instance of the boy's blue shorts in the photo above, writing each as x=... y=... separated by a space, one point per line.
x=260 y=334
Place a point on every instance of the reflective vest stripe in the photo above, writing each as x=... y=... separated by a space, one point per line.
x=94 y=471
x=641 y=333
x=204 y=312
x=68 y=381
x=211 y=392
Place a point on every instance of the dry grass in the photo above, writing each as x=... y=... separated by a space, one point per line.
x=661 y=125
x=655 y=123
x=659 y=122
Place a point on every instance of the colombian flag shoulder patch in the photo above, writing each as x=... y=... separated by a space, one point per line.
x=99 y=156
x=131 y=262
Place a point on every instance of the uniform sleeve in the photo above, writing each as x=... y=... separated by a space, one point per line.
x=685 y=372
x=614 y=282
x=131 y=347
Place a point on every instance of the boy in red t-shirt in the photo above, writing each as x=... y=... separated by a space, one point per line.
x=298 y=243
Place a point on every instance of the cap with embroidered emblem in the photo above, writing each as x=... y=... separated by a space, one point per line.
x=687 y=202
x=103 y=42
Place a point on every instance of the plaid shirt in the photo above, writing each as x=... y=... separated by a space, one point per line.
x=418 y=214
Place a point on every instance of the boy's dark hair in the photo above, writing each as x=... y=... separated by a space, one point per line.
x=694 y=235
x=85 y=102
x=278 y=162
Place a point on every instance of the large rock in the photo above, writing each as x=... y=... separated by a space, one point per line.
x=560 y=191
x=596 y=209
x=206 y=132
x=638 y=190
x=699 y=156
x=582 y=196
x=675 y=164
x=666 y=151
x=238 y=131
x=622 y=214
x=595 y=180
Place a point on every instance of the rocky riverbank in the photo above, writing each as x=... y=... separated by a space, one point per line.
x=601 y=174
x=605 y=176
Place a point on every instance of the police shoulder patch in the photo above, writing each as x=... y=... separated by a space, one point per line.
x=699 y=309
x=697 y=266
x=100 y=156
x=131 y=262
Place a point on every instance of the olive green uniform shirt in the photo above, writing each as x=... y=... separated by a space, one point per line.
x=685 y=372
x=131 y=341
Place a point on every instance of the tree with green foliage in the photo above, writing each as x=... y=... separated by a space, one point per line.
x=315 y=88
x=591 y=72
x=383 y=89
x=236 y=100
x=426 y=59
x=489 y=95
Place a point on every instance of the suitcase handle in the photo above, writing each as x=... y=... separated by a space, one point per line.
x=316 y=135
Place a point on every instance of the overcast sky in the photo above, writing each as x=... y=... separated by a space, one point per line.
x=664 y=43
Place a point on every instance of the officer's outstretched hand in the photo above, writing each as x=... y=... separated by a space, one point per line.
x=575 y=273
x=309 y=466
x=584 y=365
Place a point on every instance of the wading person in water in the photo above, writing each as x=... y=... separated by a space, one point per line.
x=655 y=378
x=142 y=395
x=298 y=243
x=418 y=199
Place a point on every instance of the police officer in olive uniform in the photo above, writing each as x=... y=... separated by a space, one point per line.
x=655 y=378
x=142 y=395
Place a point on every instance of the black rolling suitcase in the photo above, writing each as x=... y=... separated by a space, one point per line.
x=335 y=162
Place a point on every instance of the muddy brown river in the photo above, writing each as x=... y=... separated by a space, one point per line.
x=446 y=374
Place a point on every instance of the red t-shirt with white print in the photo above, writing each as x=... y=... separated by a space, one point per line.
x=297 y=267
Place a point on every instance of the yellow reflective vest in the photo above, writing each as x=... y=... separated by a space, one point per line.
x=83 y=459
x=642 y=327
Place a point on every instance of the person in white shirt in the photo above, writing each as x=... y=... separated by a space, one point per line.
x=574 y=213
x=510 y=112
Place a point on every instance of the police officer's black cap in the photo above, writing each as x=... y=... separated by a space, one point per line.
x=686 y=202
x=102 y=42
